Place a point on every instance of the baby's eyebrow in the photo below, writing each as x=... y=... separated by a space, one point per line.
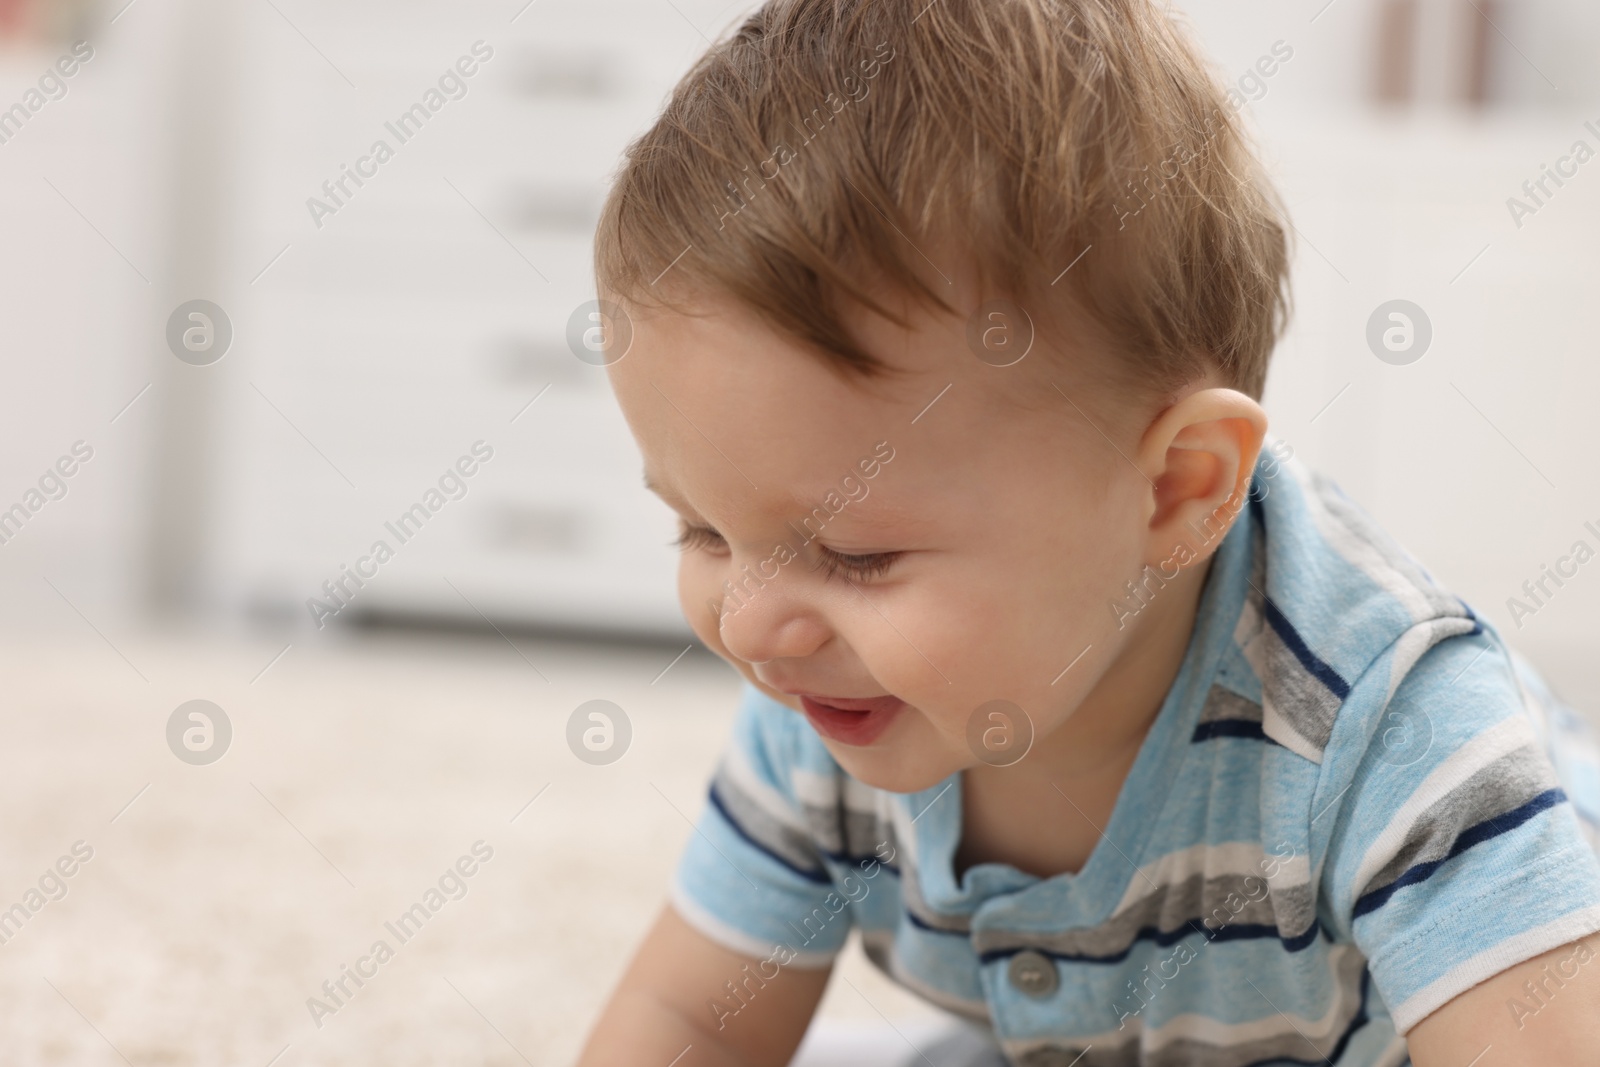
x=881 y=515
x=674 y=500
x=656 y=487
x=878 y=513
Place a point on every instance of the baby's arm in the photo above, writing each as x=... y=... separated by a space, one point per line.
x=662 y=1006
x=1558 y=1028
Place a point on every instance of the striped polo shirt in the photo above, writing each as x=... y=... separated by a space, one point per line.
x=1354 y=804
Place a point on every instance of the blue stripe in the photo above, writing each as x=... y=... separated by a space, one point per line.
x=1308 y=659
x=921 y=924
x=845 y=859
x=1361 y=1018
x=1357 y=1021
x=1163 y=939
x=1476 y=835
x=820 y=876
x=1249 y=728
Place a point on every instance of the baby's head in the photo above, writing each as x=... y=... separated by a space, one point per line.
x=948 y=320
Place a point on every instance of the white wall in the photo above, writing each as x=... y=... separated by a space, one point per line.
x=1472 y=457
x=407 y=327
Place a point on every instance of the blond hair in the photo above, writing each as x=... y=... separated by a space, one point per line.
x=825 y=141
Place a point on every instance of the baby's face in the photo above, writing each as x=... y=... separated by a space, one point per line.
x=887 y=557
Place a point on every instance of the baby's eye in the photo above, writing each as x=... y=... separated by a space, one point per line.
x=704 y=537
x=857 y=568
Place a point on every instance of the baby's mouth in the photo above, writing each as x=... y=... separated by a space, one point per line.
x=851 y=720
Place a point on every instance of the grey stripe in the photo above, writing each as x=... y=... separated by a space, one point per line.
x=840 y=830
x=1288 y=1043
x=844 y=831
x=1291 y=909
x=1294 y=909
x=1300 y=699
x=1504 y=785
x=1224 y=704
x=792 y=845
x=878 y=946
x=1303 y=702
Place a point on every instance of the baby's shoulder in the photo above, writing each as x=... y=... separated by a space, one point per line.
x=1336 y=613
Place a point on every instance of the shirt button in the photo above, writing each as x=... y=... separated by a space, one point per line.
x=1033 y=973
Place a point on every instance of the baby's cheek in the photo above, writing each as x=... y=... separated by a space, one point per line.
x=939 y=654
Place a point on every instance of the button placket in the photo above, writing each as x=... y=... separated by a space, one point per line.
x=1033 y=974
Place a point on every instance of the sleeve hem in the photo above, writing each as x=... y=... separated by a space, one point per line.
x=735 y=940
x=1509 y=952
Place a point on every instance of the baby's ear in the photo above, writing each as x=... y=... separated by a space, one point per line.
x=1199 y=455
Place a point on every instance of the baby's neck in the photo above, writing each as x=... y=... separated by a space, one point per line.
x=1076 y=772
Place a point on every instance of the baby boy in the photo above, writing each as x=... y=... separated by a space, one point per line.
x=1107 y=724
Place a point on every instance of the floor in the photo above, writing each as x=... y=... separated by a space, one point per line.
x=218 y=898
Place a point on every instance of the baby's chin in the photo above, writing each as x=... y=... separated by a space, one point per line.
x=890 y=767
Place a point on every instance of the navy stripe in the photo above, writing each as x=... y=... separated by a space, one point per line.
x=1164 y=938
x=820 y=876
x=922 y=924
x=1501 y=824
x=1308 y=659
x=1357 y=1021
x=1475 y=835
x=845 y=859
x=1250 y=728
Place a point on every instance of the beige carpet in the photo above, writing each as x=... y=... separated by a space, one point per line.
x=222 y=897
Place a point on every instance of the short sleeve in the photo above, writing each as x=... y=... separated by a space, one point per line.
x=751 y=878
x=1458 y=852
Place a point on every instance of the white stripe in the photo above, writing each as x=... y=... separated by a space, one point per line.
x=1195 y=1027
x=1275 y=726
x=1407 y=650
x=977 y=1010
x=743 y=774
x=905 y=835
x=1241 y=858
x=1250 y=634
x=735 y=940
x=822 y=791
x=859 y=796
x=1485 y=965
x=1247 y=633
x=1505 y=736
x=1203 y=1028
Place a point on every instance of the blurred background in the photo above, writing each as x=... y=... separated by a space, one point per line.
x=173 y=509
